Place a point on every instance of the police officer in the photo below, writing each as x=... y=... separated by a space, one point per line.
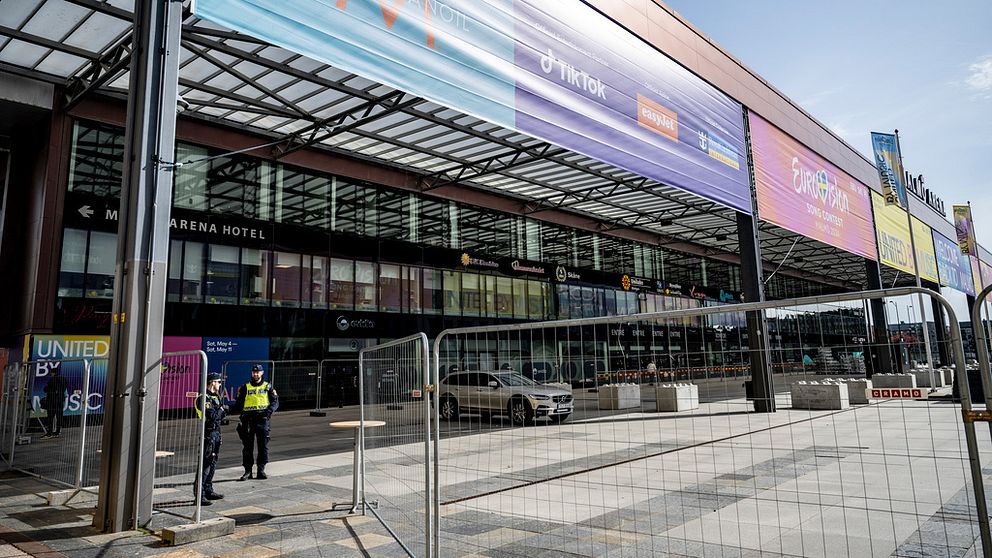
x=256 y=402
x=213 y=407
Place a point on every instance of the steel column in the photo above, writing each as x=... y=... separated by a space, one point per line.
x=757 y=328
x=879 y=343
x=127 y=464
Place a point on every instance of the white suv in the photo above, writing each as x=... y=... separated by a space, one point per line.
x=492 y=393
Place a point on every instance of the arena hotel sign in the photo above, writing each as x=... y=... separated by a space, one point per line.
x=178 y=222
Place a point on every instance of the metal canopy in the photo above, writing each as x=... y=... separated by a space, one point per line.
x=238 y=80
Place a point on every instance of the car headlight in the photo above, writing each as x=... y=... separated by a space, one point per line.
x=540 y=397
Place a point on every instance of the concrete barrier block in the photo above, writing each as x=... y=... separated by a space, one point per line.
x=619 y=396
x=923 y=378
x=63 y=497
x=856 y=390
x=948 y=374
x=820 y=396
x=893 y=381
x=193 y=532
x=677 y=397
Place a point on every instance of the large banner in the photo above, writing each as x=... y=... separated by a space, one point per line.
x=556 y=70
x=68 y=350
x=892 y=228
x=243 y=350
x=986 y=273
x=889 y=164
x=965 y=228
x=926 y=259
x=181 y=376
x=803 y=192
x=953 y=266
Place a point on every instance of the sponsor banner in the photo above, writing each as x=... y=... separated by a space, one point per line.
x=976 y=273
x=896 y=393
x=556 y=70
x=953 y=266
x=965 y=228
x=223 y=349
x=180 y=375
x=803 y=192
x=926 y=260
x=68 y=347
x=890 y=172
x=892 y=228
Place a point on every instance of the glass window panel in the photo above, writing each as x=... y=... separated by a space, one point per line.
x=192 y=289
x=504 y=297
x=241 y=186
x=254 y=276
x=73 y=267
x=489 y=296
x=96 y=165
x=471 y=295
x=101 y=260
x=341 y=292
x=286 y=276
x=390 y=287
x=563 y=304
x=433 y=223
x=535 y=300
x=413 y=290
x=548 y=298
x=190 y=183
x=365 y=286
x=433 y=292
x=173 y=285
x=588 y=302
x=391 y=214
x=519 y=298
x=452 y=293
x=302 y=198
x=314 y=280
x=222 y=274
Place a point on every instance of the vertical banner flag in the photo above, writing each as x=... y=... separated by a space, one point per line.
x=556 y=70
x=803 y=192
x=892 y=228
x=926 y=259
x=953 y=266
x=889 y=164
x=966 y=230
x=976 y=273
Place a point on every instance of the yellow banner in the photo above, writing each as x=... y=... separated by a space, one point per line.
x=926 y=256
x=892 y=232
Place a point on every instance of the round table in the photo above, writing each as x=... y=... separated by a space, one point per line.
x=357 y=469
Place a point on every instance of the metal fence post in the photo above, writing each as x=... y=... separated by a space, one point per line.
x=198 y=490
x=83 y=419
x=318 y=410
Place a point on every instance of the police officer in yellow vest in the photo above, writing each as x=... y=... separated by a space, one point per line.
x=256 y=402
x=210 y=404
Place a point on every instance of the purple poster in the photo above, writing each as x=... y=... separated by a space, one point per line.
x=181 y=375
x=556 y=70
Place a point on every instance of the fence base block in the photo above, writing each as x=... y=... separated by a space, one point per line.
x=318 y=413
x=193 y=532
x=63 y=497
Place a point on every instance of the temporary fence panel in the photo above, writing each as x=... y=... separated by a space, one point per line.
x=663 y=454
x=179 y=440
x=395 y=440
x=8 y=404
x=338 y=381
x=52 y=418
x=295 y=382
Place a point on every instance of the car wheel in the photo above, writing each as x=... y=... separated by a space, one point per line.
x=520 y=412
x=558 y=419
x=449 y=408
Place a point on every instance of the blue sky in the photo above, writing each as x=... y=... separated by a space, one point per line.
x=857 y=66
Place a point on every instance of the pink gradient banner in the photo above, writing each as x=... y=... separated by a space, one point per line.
x=180 y=379
x=800 y=191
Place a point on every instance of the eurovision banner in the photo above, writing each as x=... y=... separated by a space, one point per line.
x=556 y=70
x=68 y=348
x=892 y=228
x=180 y=375
x=965 y=228
x=889 y=164
x=245 y=349
x=926 y=259
x=953 y=266
x=803 y=192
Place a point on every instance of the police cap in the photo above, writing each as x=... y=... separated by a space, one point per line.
x=213 y=376
x=257 y=368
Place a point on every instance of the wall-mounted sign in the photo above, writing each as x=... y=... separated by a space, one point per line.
x=556 y=70
x=915 y=185
x=801 y=191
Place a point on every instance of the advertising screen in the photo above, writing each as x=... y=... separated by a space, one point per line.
x=892 y=228
x=556 y=70
x=803 y=192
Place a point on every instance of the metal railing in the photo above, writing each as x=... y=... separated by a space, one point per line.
x=584 y=472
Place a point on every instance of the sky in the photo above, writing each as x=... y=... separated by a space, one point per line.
x=858 y=66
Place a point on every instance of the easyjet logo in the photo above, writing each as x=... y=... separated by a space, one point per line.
x=432 y=11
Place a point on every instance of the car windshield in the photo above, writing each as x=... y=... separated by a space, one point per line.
x=512 y=379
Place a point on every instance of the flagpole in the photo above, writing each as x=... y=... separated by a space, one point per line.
x=916 y=271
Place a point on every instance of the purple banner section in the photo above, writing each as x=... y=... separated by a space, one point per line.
x=588 y=85
x=953 y=266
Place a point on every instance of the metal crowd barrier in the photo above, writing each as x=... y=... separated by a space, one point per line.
x=853 y=462
x=179 y=440
x=296 y=382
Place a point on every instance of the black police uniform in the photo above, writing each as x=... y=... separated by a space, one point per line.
x=254 y=427
x=215 y=412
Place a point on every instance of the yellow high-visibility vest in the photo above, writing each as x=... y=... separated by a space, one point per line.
x=256 y=397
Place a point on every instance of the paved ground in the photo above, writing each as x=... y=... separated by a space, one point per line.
x=882 y=480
